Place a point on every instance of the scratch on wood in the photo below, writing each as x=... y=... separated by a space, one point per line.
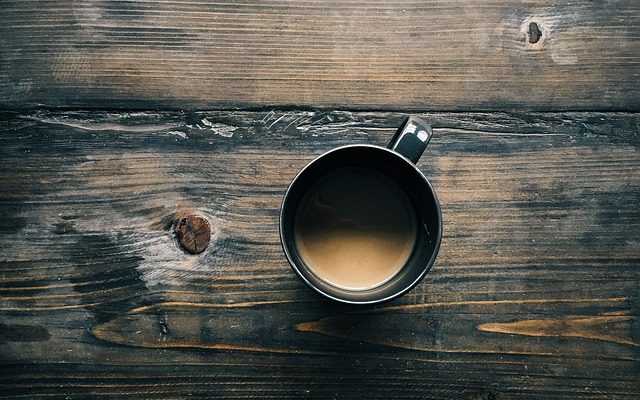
x=293 y=121
x=277 y=120
x=179 y=134
x=267 y=117
x=219 y=128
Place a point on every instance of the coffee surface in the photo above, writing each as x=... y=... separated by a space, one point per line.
x=355 y=228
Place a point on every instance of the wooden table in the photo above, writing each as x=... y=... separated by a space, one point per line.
x=120 y=118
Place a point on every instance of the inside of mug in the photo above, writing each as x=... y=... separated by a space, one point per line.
x=417 y=190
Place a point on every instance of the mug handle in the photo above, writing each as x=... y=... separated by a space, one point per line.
x=412 y=138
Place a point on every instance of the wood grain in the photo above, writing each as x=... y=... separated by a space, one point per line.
x=611 y=328
x=404 y=54
x=534 y=294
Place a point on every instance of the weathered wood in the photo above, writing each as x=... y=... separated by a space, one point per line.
x=405 y=54
x=534 y=293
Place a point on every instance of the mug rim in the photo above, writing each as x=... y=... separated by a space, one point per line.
x=393 y=296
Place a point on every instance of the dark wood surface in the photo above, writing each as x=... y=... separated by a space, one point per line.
x=534 y=293
x=355 y=54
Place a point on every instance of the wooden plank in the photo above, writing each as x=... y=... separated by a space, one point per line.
x=534 y=293
x=405 y=54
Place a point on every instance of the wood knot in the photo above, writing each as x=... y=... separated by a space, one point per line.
x=193 y=233
x=534 y=34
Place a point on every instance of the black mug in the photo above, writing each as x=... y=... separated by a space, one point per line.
x=397 y=163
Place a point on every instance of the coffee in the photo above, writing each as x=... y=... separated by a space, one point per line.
x=355 y=228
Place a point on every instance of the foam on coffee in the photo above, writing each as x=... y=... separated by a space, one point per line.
x=355 y=228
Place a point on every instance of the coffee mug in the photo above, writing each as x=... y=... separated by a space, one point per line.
x=361 y=224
